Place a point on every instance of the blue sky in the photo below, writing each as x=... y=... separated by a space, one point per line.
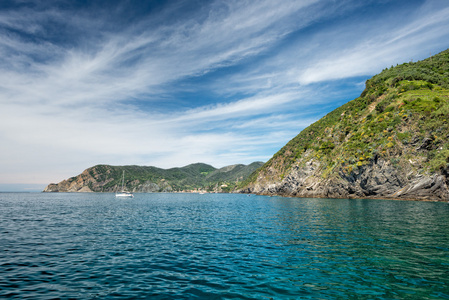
x=169 y=83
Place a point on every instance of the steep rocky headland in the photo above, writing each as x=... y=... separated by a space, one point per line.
x=194 y=177
x=391 y=142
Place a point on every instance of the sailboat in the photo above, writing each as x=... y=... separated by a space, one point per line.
x=123 y=193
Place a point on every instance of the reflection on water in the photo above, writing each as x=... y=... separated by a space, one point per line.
x=215 y=246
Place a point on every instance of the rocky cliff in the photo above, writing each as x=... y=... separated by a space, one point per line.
x=391 y=142
x=141 y=179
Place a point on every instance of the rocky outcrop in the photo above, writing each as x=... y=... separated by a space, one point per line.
x=378 y=180
x=391 y=142
x=81 y=183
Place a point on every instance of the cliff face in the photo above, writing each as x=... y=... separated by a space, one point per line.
x=391 y=142
x=380 y=179
x=89 y=180
x=80 y=183
x=140 y=179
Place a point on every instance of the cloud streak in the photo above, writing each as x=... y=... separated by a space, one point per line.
x=222 y=82
x=380 y=48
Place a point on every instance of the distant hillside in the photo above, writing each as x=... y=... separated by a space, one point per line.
x=391 y=142
x=105 y=178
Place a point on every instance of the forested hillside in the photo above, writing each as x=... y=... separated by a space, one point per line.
x=194 y=177
x=391 y=142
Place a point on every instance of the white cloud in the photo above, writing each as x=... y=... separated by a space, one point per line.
x=385 y=44
x=68 y=105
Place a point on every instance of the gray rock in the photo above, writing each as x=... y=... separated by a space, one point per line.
x=380 y=179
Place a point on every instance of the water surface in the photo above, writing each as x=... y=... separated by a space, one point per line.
x=221 y=246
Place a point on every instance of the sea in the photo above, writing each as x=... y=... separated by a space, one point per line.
x=220 y=246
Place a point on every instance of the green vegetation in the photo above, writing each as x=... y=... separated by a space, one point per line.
x=402 y=115
x=106 y=178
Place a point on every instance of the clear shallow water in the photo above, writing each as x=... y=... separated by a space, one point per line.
x=220 y=246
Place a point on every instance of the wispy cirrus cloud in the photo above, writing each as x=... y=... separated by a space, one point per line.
x=135 y=60
x=218 y=82
x=380 y=45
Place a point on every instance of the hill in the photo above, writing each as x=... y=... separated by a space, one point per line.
x=391 y=142
x=199 y=176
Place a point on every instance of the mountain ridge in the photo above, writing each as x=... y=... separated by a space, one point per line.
x=389 y=143
x=193 y=177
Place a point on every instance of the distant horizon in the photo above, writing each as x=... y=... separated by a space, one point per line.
x=39 y=187
x=171 y=83
x=21 y=188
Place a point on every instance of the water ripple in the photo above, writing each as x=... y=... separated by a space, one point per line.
x=186 y=246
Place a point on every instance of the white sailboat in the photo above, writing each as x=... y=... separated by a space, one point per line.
x=123 y=193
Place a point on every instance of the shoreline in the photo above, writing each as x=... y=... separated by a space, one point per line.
x=268 y=195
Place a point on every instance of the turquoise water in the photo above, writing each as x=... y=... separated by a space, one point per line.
x=221 y=246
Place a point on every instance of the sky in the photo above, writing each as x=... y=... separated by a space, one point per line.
x=170 y=83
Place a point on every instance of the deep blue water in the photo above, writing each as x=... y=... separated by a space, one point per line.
x=221 y=246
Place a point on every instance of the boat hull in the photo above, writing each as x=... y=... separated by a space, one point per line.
x=124 y=195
